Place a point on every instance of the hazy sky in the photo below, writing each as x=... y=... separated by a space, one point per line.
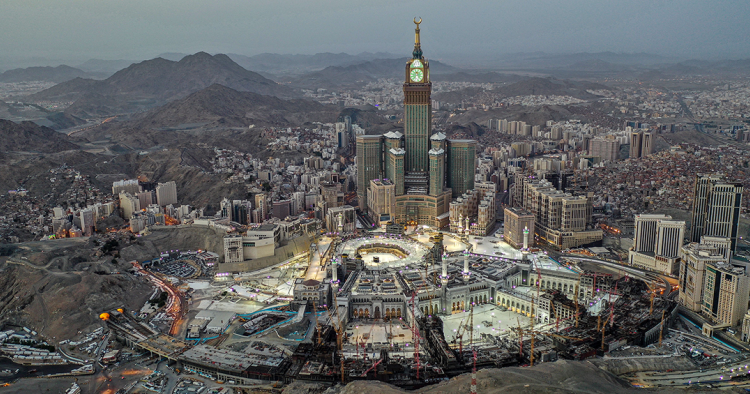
x=135 y=29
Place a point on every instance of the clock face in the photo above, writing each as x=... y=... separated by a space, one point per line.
x=416 y=63
x=416 y=75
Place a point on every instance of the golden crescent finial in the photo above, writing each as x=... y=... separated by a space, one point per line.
x=417 y=23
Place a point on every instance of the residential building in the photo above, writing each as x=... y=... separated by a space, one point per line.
x=516 y=221
x=166 y=193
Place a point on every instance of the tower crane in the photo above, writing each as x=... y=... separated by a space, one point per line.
x=371 y=368
x=578 y=297
x=339 y=333
x=611 y=318
x=520 y=338
x=473 y=388
x=317 y=323
x=460 y=336
x=415 y=331
x=531 y=319
x=661 y=329
x=521 y=332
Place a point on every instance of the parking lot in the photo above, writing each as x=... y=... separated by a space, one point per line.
x=178 y=268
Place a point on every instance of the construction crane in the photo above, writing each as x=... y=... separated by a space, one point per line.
x=415 y=331
x=661 y=329
x=557 y=318
x=531 y=319
x=604 y=326
x=317 y=323
x=578 y=296
x=521 y=331
x=473 y=388
x=364 y=374
x=460 y=336
x=339 y=333
x=520 y=338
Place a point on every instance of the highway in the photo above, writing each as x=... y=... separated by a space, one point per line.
x=635 y=272
x=720 y=375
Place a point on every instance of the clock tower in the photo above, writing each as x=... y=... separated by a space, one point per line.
x=417 y=114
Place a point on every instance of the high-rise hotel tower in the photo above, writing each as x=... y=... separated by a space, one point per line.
x=427 y=169
x=716 y=208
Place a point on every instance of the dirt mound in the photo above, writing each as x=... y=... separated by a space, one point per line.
x=559 y=377
x=59 y=304
x=174 y=238
x=28 y=136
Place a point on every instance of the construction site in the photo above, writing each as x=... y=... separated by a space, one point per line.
x=413 y=311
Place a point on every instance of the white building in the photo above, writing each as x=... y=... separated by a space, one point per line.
x=166 y=193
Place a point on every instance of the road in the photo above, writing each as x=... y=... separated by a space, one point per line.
x=681 y=378
x=314 y=270
x=641 y=274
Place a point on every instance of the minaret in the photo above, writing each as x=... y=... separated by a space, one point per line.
x=334 y=274
x=444 y=273
x=526 y=239
x=466 y=272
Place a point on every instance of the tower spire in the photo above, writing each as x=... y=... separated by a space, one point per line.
x=417 y=45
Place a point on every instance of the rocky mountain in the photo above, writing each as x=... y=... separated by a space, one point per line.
x=57 y=74
x=61 y=289
x=217 y=115
x=154 y=82
x=335 y=76
x=219 y=103
x=30 y=137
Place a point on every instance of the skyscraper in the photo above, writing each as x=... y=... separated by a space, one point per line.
x=641 y=143
x=369 y=164
x=417 y=108
x=461 y=156
x=657 y=243
x=716 y=208
x=417 y=163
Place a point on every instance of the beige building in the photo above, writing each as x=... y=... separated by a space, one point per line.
x=608 y=149
x=516 y=220
x=474 y=211
x=166 y=193
x=342 y=220
x=657 y=243
x=381 y=201
x=726 y=290
x=694 y=258
x=129 y=205
x=331 y=194
x=561 y=219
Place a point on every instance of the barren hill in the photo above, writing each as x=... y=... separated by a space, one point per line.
x=60 y=288
x=561 y=376
x=30 y=137
x=234 y=108
x=154 y=82
x=218 y=116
